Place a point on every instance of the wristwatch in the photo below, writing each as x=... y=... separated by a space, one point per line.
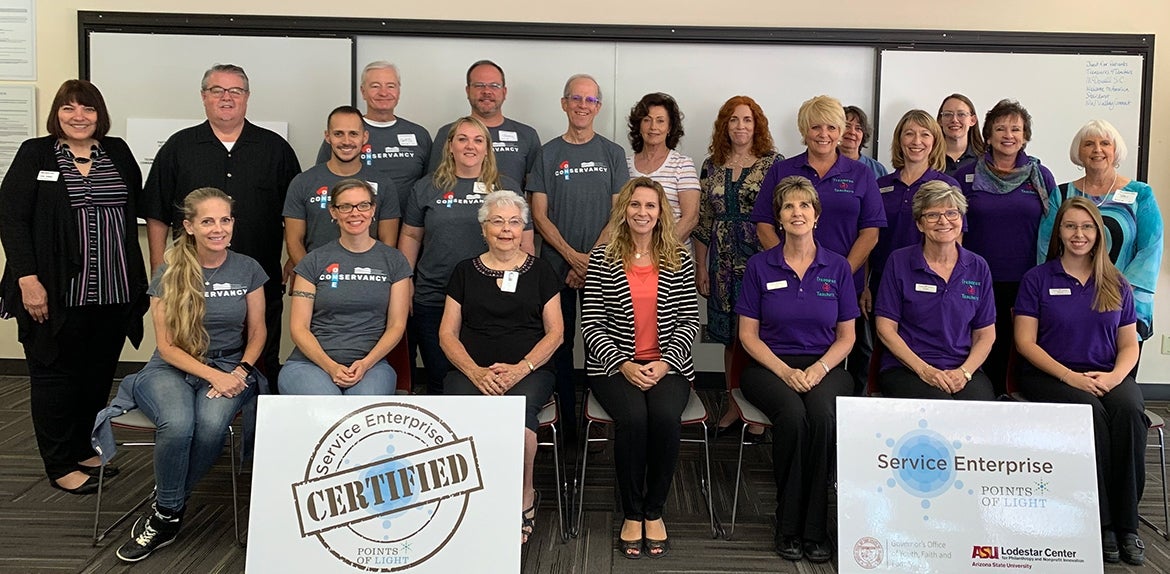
x=966 y=373
x=248 y=368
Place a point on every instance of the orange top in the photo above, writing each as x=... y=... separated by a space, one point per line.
x=644 y=294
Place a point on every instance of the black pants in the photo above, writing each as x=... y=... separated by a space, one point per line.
x=1119 y=435
x=996 y=365
x=68 y=393
x=273 y=311
x=565 y=367
x=858 y=361
x=646 y=435
x=803 y=444
x=902 y=383
x=424 y=326
x=536 y=388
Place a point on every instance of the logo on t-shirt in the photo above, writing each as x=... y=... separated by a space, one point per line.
x=226 y=290
x=334 y=275
x=368 y=154
x=828 y=287
x=971 y=290
x=564 y=169
x=504 y=147
x=843 y=185
x=331 y=272
x=322 y=198
x=1028 y=188
x=586 y=167
x=448 y=198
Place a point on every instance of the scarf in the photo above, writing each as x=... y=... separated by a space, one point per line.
x=989 y=180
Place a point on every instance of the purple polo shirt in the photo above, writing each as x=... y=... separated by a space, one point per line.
x=798 y=316
x=901 y=230
x=849 y=202
x=1004 y=227
x=935 y=317
x=1069 y=329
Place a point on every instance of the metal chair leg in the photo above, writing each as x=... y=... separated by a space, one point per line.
x=738 y=476
x=235 y=490
x=707 y=486
x=560 y=487
x=1164 y=533
x=580 y=487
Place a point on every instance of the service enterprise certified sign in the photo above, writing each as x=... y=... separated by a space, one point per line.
x=386 y=484
x=966 y=486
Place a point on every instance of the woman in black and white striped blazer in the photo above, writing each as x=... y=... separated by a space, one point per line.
x=639 y=320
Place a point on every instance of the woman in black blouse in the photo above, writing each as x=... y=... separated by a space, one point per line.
x=502 y=323
x=74 y=278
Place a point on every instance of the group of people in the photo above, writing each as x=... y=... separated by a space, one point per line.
x=816 y=266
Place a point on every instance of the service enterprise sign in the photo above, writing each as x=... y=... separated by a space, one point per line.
x=966 y=486
x=386 y=484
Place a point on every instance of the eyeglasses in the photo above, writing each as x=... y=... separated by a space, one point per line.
x=933 y=216
x=1083 y=228
x=218 y=91
x=588 y=100
x=348 y=207
x=500 y=222
x=495 y=86
x=954 y=115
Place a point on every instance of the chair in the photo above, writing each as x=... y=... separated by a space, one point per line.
x=872 y=389
x=1156 y=423
x=748 y=413
x=399 y=360
x=694 y=413
x=548 y=417
x=136 y=421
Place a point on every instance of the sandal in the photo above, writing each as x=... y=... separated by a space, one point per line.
x=528 y=523
x=631 y=549
x=657 y=548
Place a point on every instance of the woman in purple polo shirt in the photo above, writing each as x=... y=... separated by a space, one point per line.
x=1007 y=194
x=935 y=308
x=796 y=314
x=1076 y=327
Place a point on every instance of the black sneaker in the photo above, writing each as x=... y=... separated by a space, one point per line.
x=1109 y=549
x=153 y=532
x=789 y=548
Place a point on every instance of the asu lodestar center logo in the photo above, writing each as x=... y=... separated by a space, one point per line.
x=387 y=487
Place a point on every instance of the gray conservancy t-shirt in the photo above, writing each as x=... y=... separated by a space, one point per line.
x=353 y=297
x=308 y=200
x=400 y=149
x=516 y=146
x=451 y=232
x=225 y=295
x=579 y=180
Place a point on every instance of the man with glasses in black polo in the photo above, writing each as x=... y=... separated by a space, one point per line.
x=251 y=164
x=515 y=144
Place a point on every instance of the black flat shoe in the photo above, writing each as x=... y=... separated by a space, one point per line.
x=631 y=549
x=1133 y=550
x=817 y=552
x=94 y=471
x=1110 y=552
x=88 y=487
x=716 y=431
x=789 y=548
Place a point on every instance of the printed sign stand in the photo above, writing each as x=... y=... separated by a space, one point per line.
x=386 y=484
x=966 y=486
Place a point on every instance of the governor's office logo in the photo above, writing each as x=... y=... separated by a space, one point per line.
x=387 y=487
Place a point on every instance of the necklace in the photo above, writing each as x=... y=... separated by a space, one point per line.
x=1099 y=199
x=639 y=254
x=213 y=272
x=740 y=160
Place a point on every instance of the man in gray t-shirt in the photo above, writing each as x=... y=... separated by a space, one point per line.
x=398 y=148
x=515 y=145
x=308 y=223
x=574 y=184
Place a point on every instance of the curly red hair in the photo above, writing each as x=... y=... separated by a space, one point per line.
x=720 y=148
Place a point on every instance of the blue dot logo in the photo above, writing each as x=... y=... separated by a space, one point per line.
x=927 y=468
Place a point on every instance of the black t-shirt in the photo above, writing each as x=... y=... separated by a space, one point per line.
x=502 y=327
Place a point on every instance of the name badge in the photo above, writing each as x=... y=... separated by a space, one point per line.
x=510 y=280
x=970 y=177
x=48 y=175
x=1126 y=197
x=886 y=189
x=507 y=136
x=773 y=285
x=1063 y=291
x=925 y=288
x=480 y=188
x=407 y=139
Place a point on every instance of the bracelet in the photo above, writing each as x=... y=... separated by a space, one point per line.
x=531 y=367
x=824 y=366
x=1066 y=372
x=239 y=376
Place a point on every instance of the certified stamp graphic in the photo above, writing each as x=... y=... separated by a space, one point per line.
x=868 y=553
x=387 y=487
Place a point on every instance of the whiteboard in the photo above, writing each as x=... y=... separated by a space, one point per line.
x=700 y=76
x=297 y=81
x=1062 y=92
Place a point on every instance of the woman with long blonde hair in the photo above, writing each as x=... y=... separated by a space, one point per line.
x=1076 y=327
x=639 y=319
x=208 y=308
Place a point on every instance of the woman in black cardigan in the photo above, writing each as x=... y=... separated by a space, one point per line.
x=639 y=319
x=74 y=277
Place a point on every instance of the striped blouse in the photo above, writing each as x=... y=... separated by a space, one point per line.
x=607 y=316
x=99 y=202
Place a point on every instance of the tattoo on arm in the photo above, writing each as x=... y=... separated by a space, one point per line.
x=305 y=294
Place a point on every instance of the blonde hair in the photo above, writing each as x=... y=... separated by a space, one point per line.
x=664 y=246
x=1098 y=128
x=938 y=151
x=820 y=110
x=182 y=282
x=1105 y=274
x=444 y=176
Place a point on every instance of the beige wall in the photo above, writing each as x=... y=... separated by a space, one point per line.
x=57 y=53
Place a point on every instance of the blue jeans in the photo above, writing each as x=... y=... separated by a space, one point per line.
x=306 y=378
x=191 y=427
